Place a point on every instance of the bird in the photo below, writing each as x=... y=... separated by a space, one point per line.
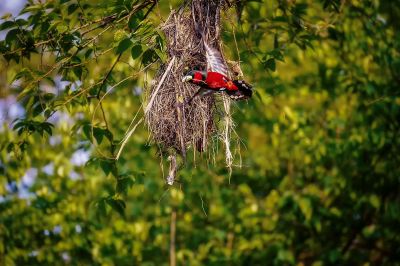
x=215 y=79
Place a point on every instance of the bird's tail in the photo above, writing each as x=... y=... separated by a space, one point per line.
x=245 y=89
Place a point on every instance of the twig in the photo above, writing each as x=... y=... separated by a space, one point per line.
x=202 y=206
x=126 y=138
x=227 y=134
x=108 y=74
x=172 y=169
x=172 y=248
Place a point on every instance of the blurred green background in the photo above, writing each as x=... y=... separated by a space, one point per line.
x=318 y=142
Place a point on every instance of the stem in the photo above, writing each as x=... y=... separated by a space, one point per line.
x=172 y=251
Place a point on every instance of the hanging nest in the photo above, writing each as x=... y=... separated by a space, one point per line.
x=175 y=125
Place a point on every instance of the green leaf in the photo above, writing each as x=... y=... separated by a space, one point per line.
x=270 y=64
x=108 y=166
x=31 y=8
x=276 y=42
x=38 y=108
x=300 y=9
x=161 y=55
x=24 y=73
x=7 y=25
x=33 y=126
x=136 y=51
x=72 y=8
x=133 y=22
x=149 y=56
x=6 y=16
x=100 y=205
x=88 y=53
x=124 y=183
x=12 y=36
x=374 y=200
x=86 y=128
x=124 y=45
x=276 y=54
x=305 y=207
x=117 y=205
x=48 y=129
x=26 y=91
x=98 y=134
x=21 y=22
x=78 y=71
x=286 y=256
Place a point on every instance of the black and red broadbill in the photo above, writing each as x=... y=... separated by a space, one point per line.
x=215 y=79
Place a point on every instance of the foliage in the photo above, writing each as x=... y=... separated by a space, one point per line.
x=320 y=178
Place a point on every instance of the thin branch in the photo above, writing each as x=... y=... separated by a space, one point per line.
x=108 y=75
x=202 y=206
x=172 y=169
x=126 y=138
x=172 y=248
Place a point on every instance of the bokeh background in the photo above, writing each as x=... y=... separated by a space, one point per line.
x=317 y=170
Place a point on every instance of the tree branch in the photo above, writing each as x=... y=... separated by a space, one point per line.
x=172 y=248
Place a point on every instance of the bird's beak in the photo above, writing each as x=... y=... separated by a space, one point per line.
x=187 y=78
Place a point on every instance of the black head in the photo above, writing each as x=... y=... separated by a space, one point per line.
x=195 y=76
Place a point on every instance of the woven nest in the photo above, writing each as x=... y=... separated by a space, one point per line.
x=174 y=124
